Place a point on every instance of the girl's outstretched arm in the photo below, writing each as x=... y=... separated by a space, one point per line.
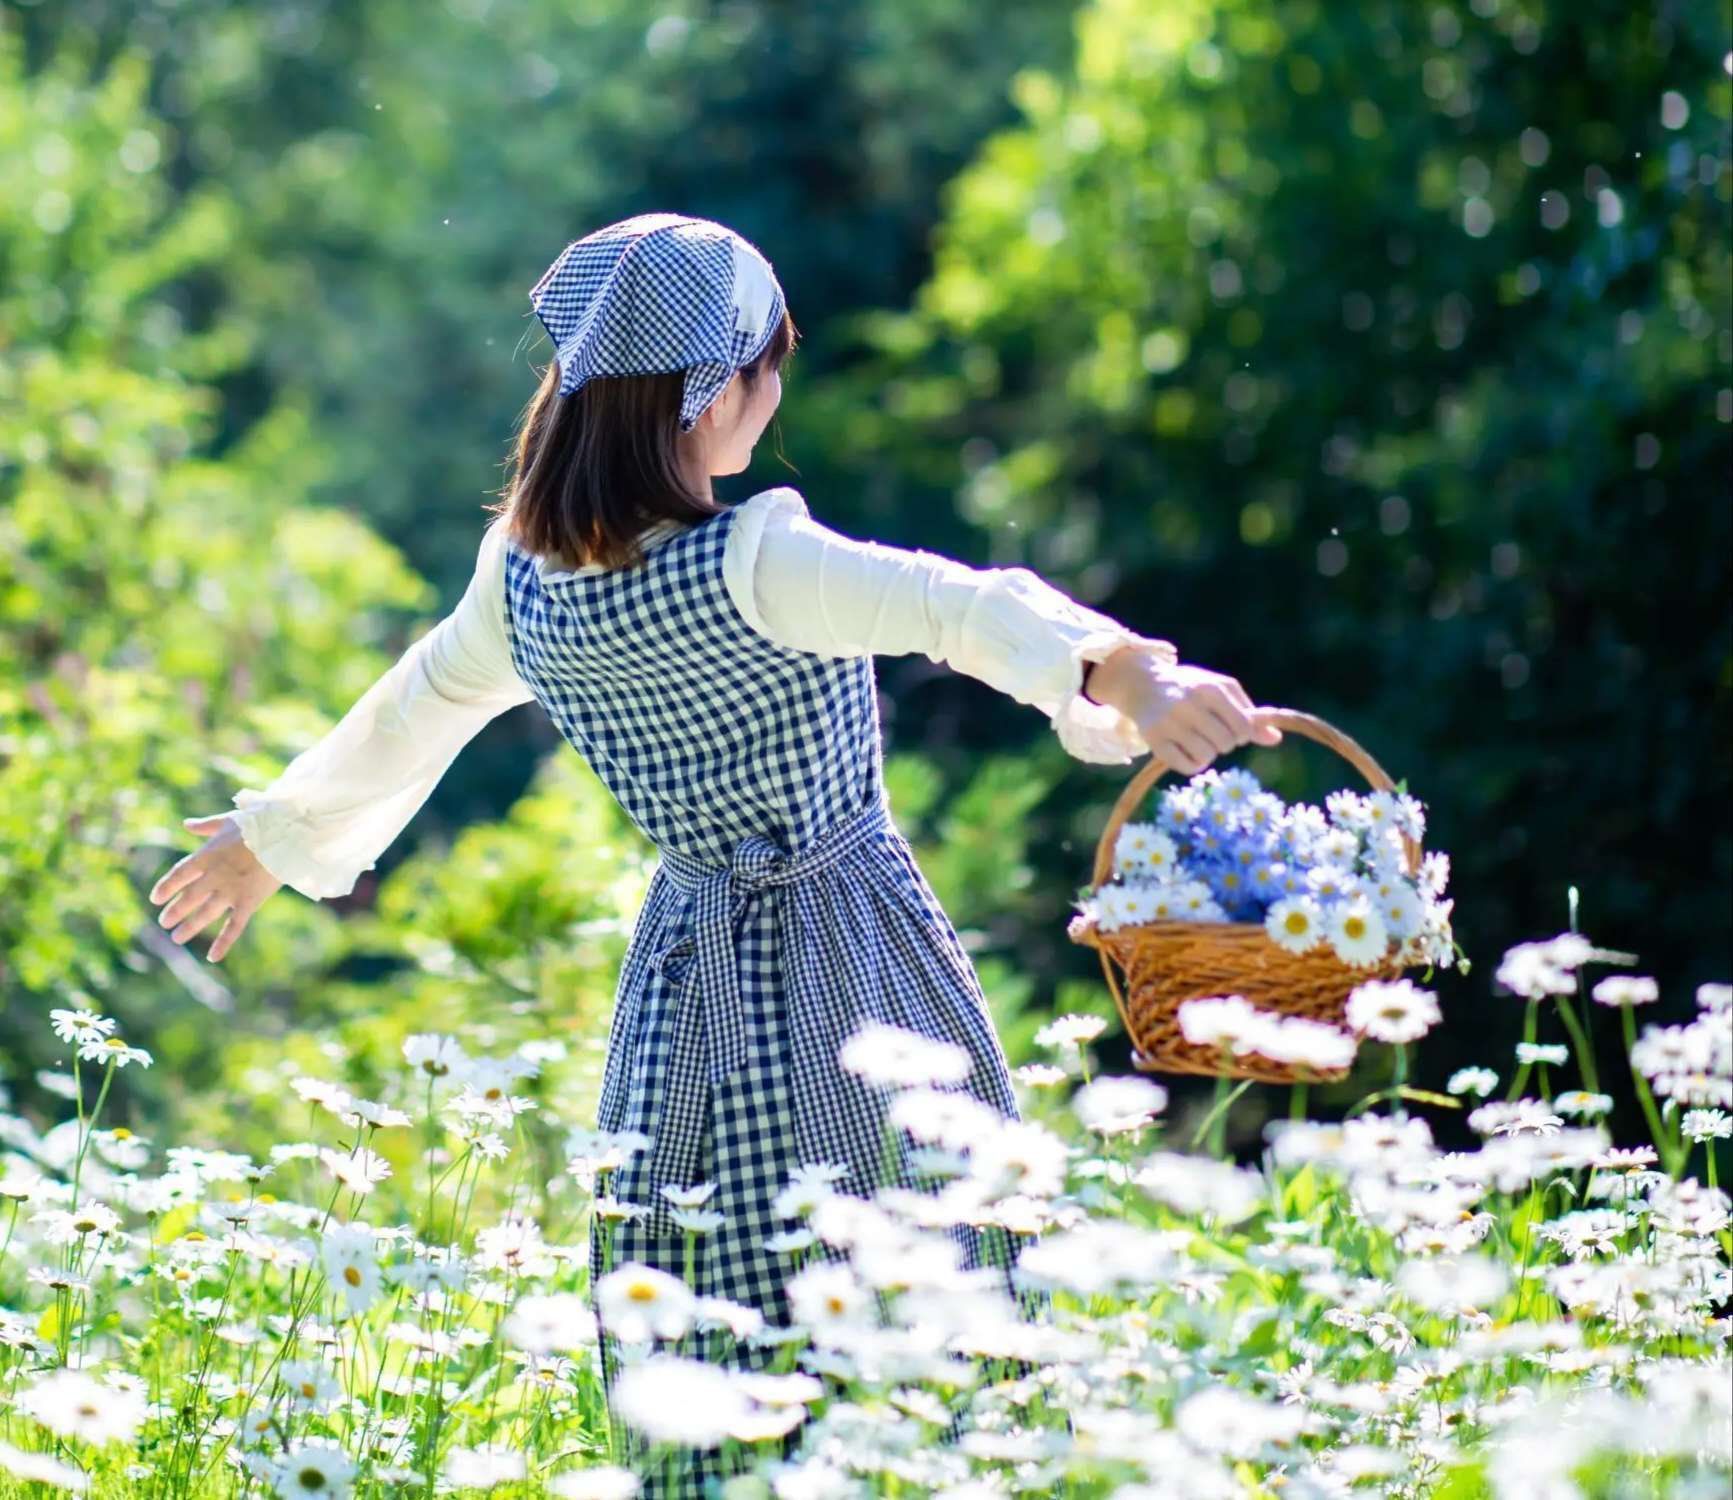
x=340 y=803
x=809 y=587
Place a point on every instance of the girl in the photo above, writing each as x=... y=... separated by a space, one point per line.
x=714 y=666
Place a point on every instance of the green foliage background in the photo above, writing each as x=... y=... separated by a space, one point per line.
x=1380 y=355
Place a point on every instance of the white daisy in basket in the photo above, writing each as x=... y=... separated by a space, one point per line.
x=1143 y=849
x=1107 y=906
x=1347 y=808
x=1402 y=910
x=1357 y=933
x=1197 y=903
x=1295 y=923
x=1166 y=903
x=1135 y=904
x=1329 y=882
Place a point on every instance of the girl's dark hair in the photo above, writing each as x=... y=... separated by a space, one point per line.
x=595 y=467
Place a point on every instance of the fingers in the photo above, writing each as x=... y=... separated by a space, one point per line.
x=187 y=896
x=1186 y=753
x=1225 y=717
x=228 y=934
x=205 y=911
x=182 y=873
x=1213 y=718
x=1258 y=728
x=188 y=868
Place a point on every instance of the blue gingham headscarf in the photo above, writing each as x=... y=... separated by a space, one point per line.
x=657 y=293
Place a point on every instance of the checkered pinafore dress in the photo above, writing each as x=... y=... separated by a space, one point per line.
x=786 y=909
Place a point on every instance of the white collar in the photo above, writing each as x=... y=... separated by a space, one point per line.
x=647 y=538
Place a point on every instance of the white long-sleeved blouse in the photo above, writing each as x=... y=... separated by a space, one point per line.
x=339 y=804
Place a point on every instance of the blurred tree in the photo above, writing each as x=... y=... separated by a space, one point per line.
x=1378 y=355
x=174 y=624
x=405 y=171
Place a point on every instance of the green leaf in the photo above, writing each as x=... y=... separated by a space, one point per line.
x=1300 y=1196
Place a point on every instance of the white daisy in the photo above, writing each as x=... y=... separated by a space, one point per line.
x=1136 y=904
x=945 y=1117
x=308 y=1382
x=63 y=1226
x=1113 y=1105
x=638 y=1303
x=1349 y=809
x=1107 y=906
x=1702 y=1125
x=41 y=1468
x=1070 y=1030
x=1143 y=849
x=1295 y=923
x=111 y=1049
x=1543 y=1054
x=1022 y=1156
x=350 y=1256
x=73 y=1404
x=1626 y=989
x=1534 y=970
x=551 y=1322
x=1452 y=1283
x=1392 y=1010
x=80 y=1025
x=359 y=1170
x=895 y=1057
x=434 y=1055
x=689 y=1402
x=315 y=1467
x=789 y=1241
x=1357 y=934
x=826 y=1296
x=1308 y=1044
x=602 y=1482
x=1218 y=1020
x=1193 y=901
x=1477 y=1081
x=1402 y=910
x=1219 y=1419
x=483 y=1468
x=689 y=1197
x=379 y=1116
x=742 y=1321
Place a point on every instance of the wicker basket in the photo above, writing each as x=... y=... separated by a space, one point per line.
x=1167 y=963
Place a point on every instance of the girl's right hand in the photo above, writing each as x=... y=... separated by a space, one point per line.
x=1187 y=715
x=223 y=876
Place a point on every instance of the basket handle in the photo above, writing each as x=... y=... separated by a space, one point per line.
x=1307 y=725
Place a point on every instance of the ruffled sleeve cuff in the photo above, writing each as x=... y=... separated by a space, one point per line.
x=1098 y=732
x=279 y=835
